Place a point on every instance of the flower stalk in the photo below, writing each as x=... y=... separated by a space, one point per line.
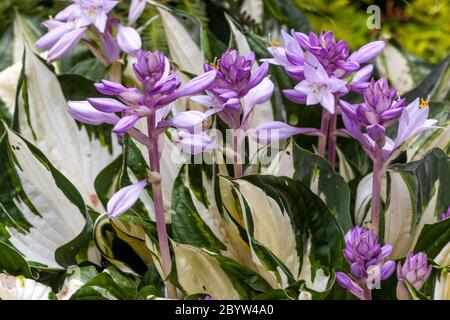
x=332 y=140
x=324 y=133
x=163 y=239
x=376 y=189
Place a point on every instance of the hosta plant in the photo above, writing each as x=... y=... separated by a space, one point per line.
x=150 y=151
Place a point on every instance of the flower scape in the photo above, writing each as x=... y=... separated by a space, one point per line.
x=152 y=150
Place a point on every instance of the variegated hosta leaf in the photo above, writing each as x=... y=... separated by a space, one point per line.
x=313 y=170
x=199 y=272
x=270 y=227
x=8 y=85
x=54 y=219
x=442 y=285
x=9 y=76
x=184 y=51
x=44 y=120
x=419 y=192
x=20 y=288
x=104 y=235
x=394 y=65
x=76 y=278
x=108 y=285
x=279 y=214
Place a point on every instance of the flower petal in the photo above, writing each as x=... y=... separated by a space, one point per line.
x=125 y=198
x=84 y=112
x=125 y=123
x=107 y=104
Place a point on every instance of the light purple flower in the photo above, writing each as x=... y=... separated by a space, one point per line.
x=379 y=105
x=192 y=121
x=414 y=120
x=125 y=198
x=136 y=9
x=334 y=57
x=194 y=143
x=235 y=84
x=128 y=39
x=445 y=215
x=318 y=86
x=415 y=270
x=84 y=112
x=69 y=27
x=272 y=131
x=367 y=259
x=161 y=87
x=379 y=111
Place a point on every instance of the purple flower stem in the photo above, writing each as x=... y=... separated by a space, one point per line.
x=332 y=140
x=324 y=132
x=161 y=229
x=139 y=136
x=237 y=166
x=376 y=189
x=367 y=291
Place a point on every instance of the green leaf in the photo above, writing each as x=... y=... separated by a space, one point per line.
x=316 y=172
x=417 y=192
x=187 y=225
x=436 y=84
x=108 y=285
x=310 y=218
x=433 y=238
x=286 y=13
x=59 y=225
x=13 y=262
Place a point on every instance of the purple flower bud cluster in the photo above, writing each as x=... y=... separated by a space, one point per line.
x=161 y=87
x=367 y=259
x=300 y=50
x=70 y=25
x=236 y=90
x=415 y=270
x=381 y=109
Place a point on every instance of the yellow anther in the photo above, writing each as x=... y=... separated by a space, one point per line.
x=215 y=63
x=423 y=103
x=275 y=42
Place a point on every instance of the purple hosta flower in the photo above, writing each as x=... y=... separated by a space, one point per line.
x=236 y=90
x=381 y=110
x=445 y=215
x=273 y=131
x=125 y=198
x=69 y=27
x=333 y=56
x=380 y=106
x=318 y=87
x=161 y=87
x=367 y=259
x=136 y=9
x=415 y=270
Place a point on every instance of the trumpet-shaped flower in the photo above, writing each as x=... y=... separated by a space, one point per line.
x=161 y=88
x=125 y=198
x=69 y=27
x=334 y=57
x=318 y=86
